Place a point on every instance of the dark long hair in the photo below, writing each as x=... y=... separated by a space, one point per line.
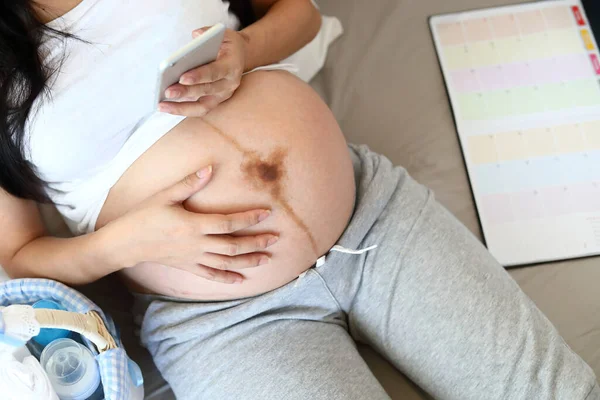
x=23 y=77
x=243 y=10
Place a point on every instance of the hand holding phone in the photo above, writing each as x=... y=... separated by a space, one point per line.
x=201 y=50
x=199 y=89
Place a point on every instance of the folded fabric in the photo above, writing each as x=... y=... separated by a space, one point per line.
x=311 y=58
x=24 y=380
x=17 y=325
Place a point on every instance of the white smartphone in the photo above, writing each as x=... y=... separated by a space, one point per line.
x=201 y=50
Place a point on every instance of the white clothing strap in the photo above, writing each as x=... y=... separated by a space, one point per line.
x=340 y=249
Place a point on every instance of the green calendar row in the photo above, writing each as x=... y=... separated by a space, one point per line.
x=528 y=100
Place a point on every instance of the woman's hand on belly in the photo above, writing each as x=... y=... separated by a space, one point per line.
x=161 y=230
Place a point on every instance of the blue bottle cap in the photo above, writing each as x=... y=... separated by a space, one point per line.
x=46 y=336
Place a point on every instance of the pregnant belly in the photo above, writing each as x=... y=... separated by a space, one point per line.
x=273 y=145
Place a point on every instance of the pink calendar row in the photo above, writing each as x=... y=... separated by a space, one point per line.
x=507 y=25
x=542 y=203
x=537 y=72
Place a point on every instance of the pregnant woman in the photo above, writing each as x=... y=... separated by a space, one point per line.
x=282 y=247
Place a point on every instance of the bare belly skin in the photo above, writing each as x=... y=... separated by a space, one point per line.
x=273 y=145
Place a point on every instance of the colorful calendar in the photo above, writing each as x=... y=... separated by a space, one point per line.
x=524 y=84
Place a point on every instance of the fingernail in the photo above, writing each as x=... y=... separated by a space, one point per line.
x=186 y=80
x=272 y=241
x=172 y=93
x=204 y=172
x=264 y=215
x=264 y=260
x=164 y=108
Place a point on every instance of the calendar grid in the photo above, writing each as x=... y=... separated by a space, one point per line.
x=512 y=72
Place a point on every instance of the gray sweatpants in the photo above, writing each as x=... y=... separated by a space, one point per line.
x=430 y=299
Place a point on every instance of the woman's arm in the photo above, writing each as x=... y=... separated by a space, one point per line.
x=159 y=230
x=26 y=251
x=283 y=27
x=73 y=261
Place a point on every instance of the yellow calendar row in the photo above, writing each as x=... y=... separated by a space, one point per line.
x=539 y=142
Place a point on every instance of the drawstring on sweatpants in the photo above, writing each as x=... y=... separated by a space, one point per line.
x=340 y=249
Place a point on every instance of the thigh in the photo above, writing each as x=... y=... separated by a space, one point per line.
x=291 y=343
x=285 y=359
x=438 y=305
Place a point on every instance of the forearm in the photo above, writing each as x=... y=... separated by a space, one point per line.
x=286 y=27
x=75 y=261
